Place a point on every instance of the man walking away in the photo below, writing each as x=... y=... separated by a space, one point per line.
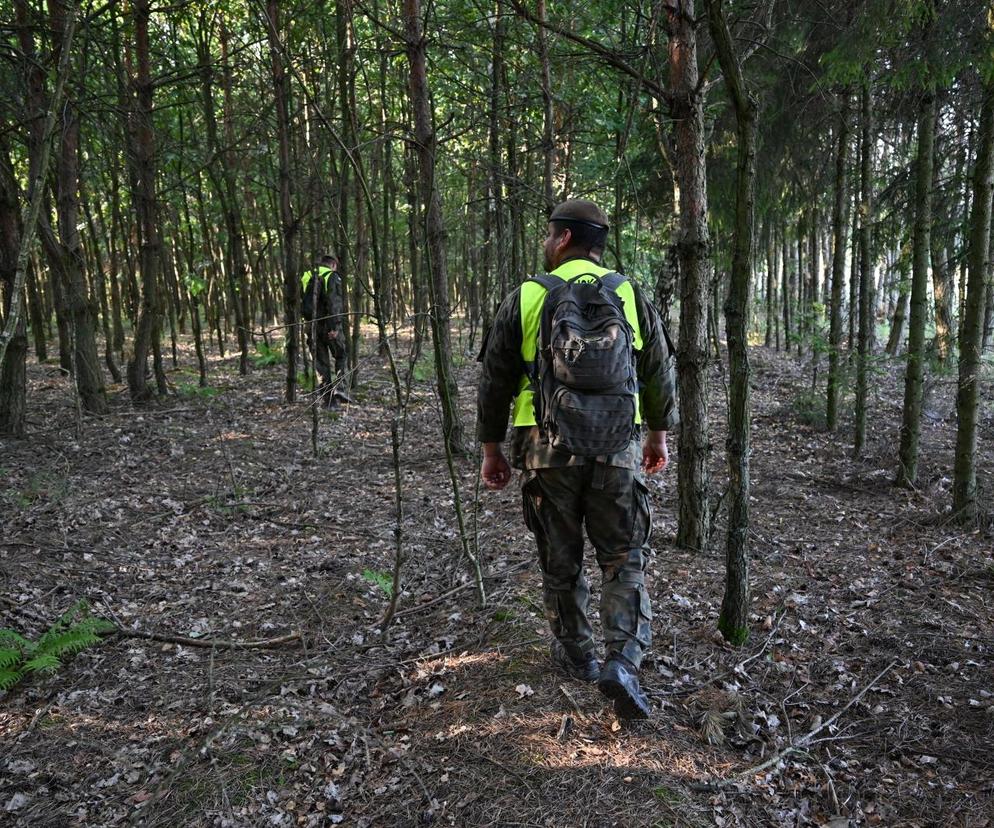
x=323 y=309
x=582 y=359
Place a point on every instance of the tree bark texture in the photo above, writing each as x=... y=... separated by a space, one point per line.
x=903 y=267
x=840 y=220
x=865 y=266
x=694 y=252
x=150 y=257
x=288 y=224
x=424 y=132
x=41 y=135
x=13 y=380
x=967 y=397
x=222 y=174
x=734 y=618
x=920 y=243
x=548 y=113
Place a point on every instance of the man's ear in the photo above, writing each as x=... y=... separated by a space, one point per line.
x=565 y=240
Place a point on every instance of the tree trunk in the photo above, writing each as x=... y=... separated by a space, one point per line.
x=291 y=284
x=903 y=266
x=149 y=319
x=101 y=289
x=771 y=285
x=13 y=376
x=694 y=251
x=548 y=113
x=865 y=266
x=988 y=339
x=914 y=373
x=840 y=220
x=943 y=280
x=438 y=280
x=803 y=306
x=967 y=397
x=785 y=287
x=222 y=174
x=734 y=618
x=36 y=313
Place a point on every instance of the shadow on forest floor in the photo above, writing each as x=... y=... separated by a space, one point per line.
x=208 y=516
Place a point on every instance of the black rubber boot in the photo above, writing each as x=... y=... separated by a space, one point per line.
x=620 y=683
x=588 y=670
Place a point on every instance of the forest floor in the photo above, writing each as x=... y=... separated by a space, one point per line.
x=208 y=516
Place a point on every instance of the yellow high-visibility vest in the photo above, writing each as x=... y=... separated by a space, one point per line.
x=307 y=275
x=532 y=299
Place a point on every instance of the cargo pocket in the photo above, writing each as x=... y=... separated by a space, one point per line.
x=642 y=522
x=531 y=499
x=639 y=622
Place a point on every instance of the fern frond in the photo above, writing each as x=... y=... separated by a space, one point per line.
x=101 y=626
x=9 y=638
x=8 y=658
x=44 y=663
x=8 y=678
x=75 y=630
x=67 y=643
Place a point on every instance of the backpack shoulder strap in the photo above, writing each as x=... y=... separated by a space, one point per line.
x=613 y=280
x=546 y=280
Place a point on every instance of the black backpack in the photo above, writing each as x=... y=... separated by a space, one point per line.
x=586 y=390
x=314 y=286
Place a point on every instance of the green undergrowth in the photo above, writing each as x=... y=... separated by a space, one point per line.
x=267 y=355
x=39 y=487
x=733 y=635
x=384 y=580
x=192 y=389
x=75 y=631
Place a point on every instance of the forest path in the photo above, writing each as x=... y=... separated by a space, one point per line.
x=208 y=516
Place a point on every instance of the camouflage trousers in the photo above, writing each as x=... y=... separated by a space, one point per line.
x=612 y=503
x=325 y=351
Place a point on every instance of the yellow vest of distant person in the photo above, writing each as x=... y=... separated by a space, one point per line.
x=305 y=277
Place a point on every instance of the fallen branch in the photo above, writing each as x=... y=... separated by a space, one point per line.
x=209 y=643
x=797 y=746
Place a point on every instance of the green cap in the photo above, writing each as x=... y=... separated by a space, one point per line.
x=581 y=211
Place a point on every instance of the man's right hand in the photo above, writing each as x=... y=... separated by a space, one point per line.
x=495 y=470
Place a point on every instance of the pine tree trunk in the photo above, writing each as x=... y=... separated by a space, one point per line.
x=13 y=375
x=803 y=307
x=434 y=229
x=149 y=319
x=221 y=171
x=988 y=340
x=943 y=280
x=915 y=371
x=785 y=287
x=36 y=313
x=291 y=282
x=865 y=266
x=498 y=253
x=967 y=397
x=548 y=113
x=734 y=618
x=903 y=266
x=694 y=252
x=771 y=281
x=840 y=219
